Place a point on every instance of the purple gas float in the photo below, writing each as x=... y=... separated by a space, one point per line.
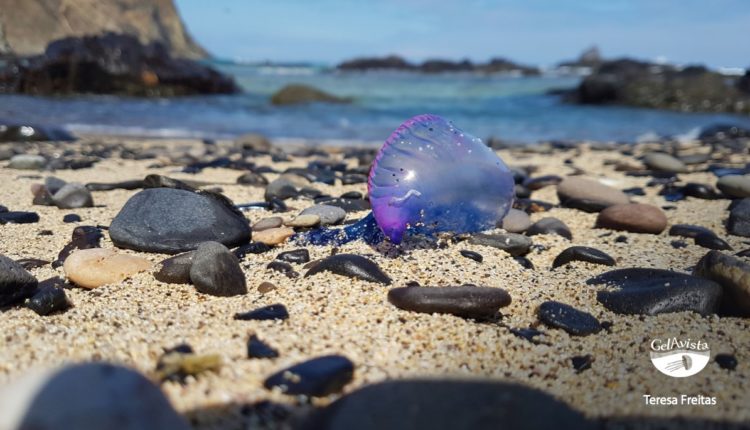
x=430 y=177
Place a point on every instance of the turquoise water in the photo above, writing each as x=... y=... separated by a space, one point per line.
x=511 y=108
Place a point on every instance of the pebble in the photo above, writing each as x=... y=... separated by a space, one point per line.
x=351 y=195
x=176 y=269
x=216 y=271
x=317 y=377
x=270 y=312
x=568 y=318
x=353 y=178
x=83 y=237
x=172 y=221
x=253 y=179
x=512 y=243
x=91 y=268
x=582 y=362
x=32 y=263
x=448 y=404
x=27 y=162
x=678 y=244
x=352 y=266
x=256 y=348
x=304 y=221
x=662 y=162
x=73 y=195
x=283 y=267
x=583 y=253
x=329 y=215
x=71 y=218
x=550 y=225
x=297 y=256
x=463 y=301
x=655 y=291
x=18 y=217
x=274 y=236
x=726 y=361
x=48 y=299
x=734 y=276
x=266 y=287
x=711 y=241
x=283 y=187
x=516 y=221
x=348 y=205
x=688 y=230
x=588 y=195
x=735 y=186
x=250 y=248
x=88 y=396
x=16 y=284
x=268 y=223
x=540 y=182
x=701 y=191
x=472 y=255
x=739 y=218
x=633 y=217
x=524 y=262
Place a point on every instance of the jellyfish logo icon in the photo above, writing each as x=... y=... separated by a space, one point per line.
x=679 y=358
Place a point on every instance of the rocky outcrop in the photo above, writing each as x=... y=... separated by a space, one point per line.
x=590 y=57
x=392 y=62
x=293 y=94
x=28 y=26
x=642 y=84
x=111 y=64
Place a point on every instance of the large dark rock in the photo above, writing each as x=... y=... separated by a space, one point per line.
x=642 y=84
x=111 y=64
x=374 y=63
x=171 y=221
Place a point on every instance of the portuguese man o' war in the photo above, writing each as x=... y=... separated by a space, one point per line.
x=429 y=177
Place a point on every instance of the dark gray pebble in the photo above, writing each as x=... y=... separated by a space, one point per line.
x=176 y=269
x=71 y=218
x=581 y=362
x=83 y=237
x=464 y=301
x=297 y=256
x=32 y=263
x=711 y=241
x=688 y=230
x=352 y=266
x=739 y=218
x=270 y=312
x=726 y=361
x=16 y=217
x=48 y=299
x=283 y=267
x=512 y=243
x=472 y=255
x=16 y=284
x=583 y=253
x=524 y=262
x=251 y=248
x=568 y=318
x=550 y=225
x=317 y=377
x=256 y=348
x=217 y=271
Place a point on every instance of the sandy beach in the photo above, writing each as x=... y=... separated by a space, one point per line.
x=132 y=322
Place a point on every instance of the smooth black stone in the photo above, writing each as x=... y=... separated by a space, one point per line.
x=318 y=377
x=726 y=361
x=733 y=274
x=701 y=191
x=72 y=218
x=472 y=255
x=540 y=182
x=582 y=362
x=48 y=299
x=83 y=237
x=297 y=256
x=171 y=221
x=672 y=193
x=655 y=291
x=678 y=244
x=17 y=217
x=447 y=405
x=216 y=271
x=352 y=195
x=524 y=262
x=176 y=269
x=125 y=185
x=513 y=244
x=283 y=267
x=739 y=218
x=636 y=191
x=256 y=348
x=526 y=333
x=251 y=248
x=16 y=283
x=568 y=318
x=32 y=263
x=352 y=266
x=621 y=239
x=270 y=312
x=349 y=205
x=743 y=253
x=688 y=230
x=583 y=253
x=711 y=241
x=463 y=301
x=550 y=226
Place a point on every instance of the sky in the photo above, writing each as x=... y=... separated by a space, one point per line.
x=537 y=32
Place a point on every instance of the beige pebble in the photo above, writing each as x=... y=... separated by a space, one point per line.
x=91 y=268
x=266 y=223
x=273 y=236
x=308 y=220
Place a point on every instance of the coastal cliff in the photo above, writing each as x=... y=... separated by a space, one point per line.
x=27 y=27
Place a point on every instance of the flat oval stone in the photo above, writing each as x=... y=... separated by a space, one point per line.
x=512 y=243
x=318 y=377
x=175 y=270
x=267 y=223
x=297 y=256
x=270 y=312
x=216 y=271
x=550 y=225
x=583 y=253
x=711 y=241
x=633 y=217
x=73 y=195
x=516 y=221
x=568 y=318
x=307 y=220
x=688 y=230
x=464 y=301
x=328 y=214
x=734 y=276
x=274 y=236
x=472 y=255
x=588 y=195
x=736 y=186
x=16 y=283
x=655 y=291
x=662 y=162
x=71 y=218
x=91 y=268
x=172 y=221
x=352 y=266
